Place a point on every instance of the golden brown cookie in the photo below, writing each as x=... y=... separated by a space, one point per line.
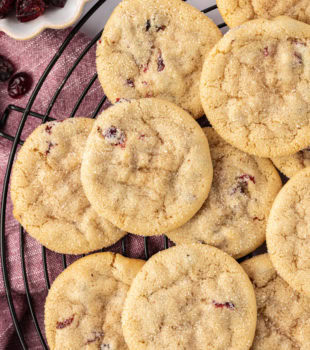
x=84 y=305
x=234 y=216
x=283 y=315
x=190 y=297
x=254 y=87
x=155 y=48
x=47 y=194
x=147 y=166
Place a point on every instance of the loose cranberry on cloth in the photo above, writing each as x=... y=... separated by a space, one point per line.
x=32 y=57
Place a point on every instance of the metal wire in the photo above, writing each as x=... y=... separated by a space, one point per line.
x=26 y=112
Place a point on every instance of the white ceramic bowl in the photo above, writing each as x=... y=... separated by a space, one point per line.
x=56 y=18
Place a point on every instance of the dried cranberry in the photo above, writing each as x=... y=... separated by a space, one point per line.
x=130 y=82
x=95 y=336
x=158 y=28
x=247 y=177
x=160 y=63
x=242 y=183
x=65 y=323
x=50 y=146
x=5 y=7
x=147 y=25
x=227 y=305
x=114 y=136
x=27 y=10
x=266 y=52
x=298 y=57
x=19 y=85
x=57 y=3
x=6 y=68
x=48 y=129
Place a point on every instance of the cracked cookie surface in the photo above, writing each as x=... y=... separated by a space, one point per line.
x=234 y=216
x=283 y=315
x=84 y=305
x=288 y=232
x=47 y=193
x=190 y=297
x=136 y=57
x=236 y=12
x=290 y=165
x=254 y=87
x=146 y=166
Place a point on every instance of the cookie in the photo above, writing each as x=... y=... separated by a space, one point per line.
x=155 y=48
x=283 y=315
x=290 y=165
x=234 y=216
x=288 y=232
x=190 y=297
x=236 y=12
x=147 y=166
x=84 y=305
x=47 y=194
x=254 y=87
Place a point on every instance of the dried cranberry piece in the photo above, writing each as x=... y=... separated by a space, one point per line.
x=19 y=85
x=158 y=28
x=247 y=177
x=130 y=82
x=242 y=183
x=49 y=147
x=5 y=7
x=298 y=57
x=266 y=51
x=48 y=129
x=57 y=3
x=114 y=136
x=160 y=63
x=147 y=25
x=6 y=68
x=227 y=305
x=28 y=10
x=65 y=323
x=95 y=336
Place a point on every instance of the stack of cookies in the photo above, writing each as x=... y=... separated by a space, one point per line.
x=146 y=166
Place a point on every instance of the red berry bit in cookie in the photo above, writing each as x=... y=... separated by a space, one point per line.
x=48 y=129
x=114 y=136
x=27 y=10
x=298 y=57
x=158 y=28
x=130 y=82
x=147 y=25
x=65 y=323
x=49 y=147
x=160 y=63
x=226 y=305
x=57 y=3
x=266 y=51
x=96 y=336
x=19 y=85
x=6 y=67
x=242 y=183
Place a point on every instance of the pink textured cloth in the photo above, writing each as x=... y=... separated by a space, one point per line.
x=33 y=56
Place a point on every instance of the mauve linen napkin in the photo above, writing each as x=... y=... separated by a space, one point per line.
x=33 y=56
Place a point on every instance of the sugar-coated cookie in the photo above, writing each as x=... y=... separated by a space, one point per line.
x=155 y=48
x=147 y=166
x=84 y=305
x=47 y=194
x=190 y=297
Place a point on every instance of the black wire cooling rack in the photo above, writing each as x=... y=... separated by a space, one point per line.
x=16 y=140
